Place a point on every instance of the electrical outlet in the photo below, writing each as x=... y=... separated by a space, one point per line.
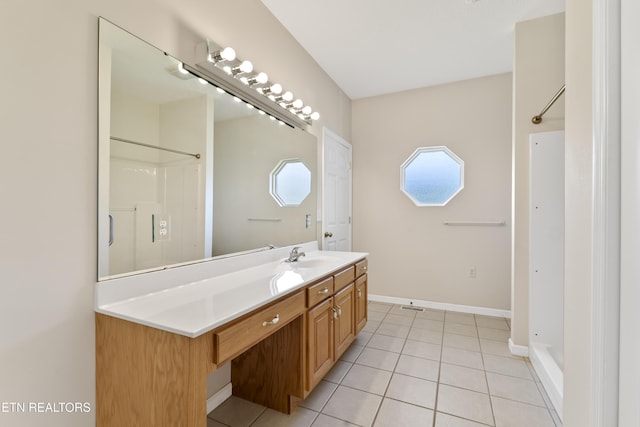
x=472 y=273
x=161 y=228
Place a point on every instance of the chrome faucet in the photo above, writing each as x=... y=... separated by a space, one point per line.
x=295 y=254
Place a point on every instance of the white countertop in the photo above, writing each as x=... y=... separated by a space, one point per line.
x=196 y=307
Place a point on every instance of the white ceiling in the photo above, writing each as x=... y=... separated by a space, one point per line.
x=373 y=47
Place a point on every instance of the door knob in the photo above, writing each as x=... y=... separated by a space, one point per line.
x=328 y=234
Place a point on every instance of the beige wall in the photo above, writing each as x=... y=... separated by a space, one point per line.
x=48 y=169
x=538 y=75
x=578 y=385
x=412 y=254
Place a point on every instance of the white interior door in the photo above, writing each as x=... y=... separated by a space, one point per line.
x=336 y=203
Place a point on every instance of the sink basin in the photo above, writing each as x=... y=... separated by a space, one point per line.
x=314 y=261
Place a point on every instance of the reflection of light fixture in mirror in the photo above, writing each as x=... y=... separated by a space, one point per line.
x=226 y=54
x=202 y=81
x=244 y=68
x=260 y=78
x=181 y=69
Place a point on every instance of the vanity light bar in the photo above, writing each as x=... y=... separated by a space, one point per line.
x=222 y=68
x=236 y=97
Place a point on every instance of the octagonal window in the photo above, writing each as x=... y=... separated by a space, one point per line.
x=290 y=182
x=432 y=176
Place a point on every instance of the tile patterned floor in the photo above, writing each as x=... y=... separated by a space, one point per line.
x=432 y=368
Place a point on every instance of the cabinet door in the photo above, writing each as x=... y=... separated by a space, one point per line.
x=344 y=322
x=361 y=302
x=320 y=342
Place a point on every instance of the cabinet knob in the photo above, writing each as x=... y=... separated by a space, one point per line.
x=273 y=321
x=328 y=234
x=335 y=312
x=324 y=291
x=339 y=310
x=359 y=293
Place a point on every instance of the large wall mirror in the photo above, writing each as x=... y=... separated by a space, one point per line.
x=185 y=168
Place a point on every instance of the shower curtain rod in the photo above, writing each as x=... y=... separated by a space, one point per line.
x=537 y=119
x=128 y=141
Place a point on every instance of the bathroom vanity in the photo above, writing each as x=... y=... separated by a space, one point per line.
x=196 y=191
x=281 y=325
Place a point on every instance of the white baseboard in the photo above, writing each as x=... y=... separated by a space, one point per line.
x=220 y=396
x=518 y=350
x=443 y=306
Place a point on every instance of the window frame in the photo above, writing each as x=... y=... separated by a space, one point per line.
x=418 y=152
x=273 y=180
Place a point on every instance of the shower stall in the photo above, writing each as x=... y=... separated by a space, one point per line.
x=546 y=266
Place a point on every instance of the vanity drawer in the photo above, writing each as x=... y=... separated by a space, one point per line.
x=343 y=278
x=361 y=268
x=237 y=338
x=319 y=291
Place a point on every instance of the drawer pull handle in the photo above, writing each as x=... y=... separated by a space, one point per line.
x=324 y=291
x=335 y=312
x=273 y=321
x=339 y=311
x=359 y=293
x=364 y=268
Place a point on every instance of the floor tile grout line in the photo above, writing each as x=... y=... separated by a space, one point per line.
x=391 y=378
x=435 y=402
x=484 y=368
x=467 y=419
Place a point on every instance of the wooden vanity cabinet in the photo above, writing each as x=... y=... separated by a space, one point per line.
x=361 y=303
x=345 y=331
x=333 y=324
x=320 y=342
x=361 y=295
x=278 y=353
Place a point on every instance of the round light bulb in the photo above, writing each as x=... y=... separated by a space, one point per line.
x=181 y=69
x=297 y=104
x=306 y=110
x=246 y=67
x=287 y=96
x=276 y=88
x=228 y=54
x=262 y=78
x=315 y=116
x=202 y=81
